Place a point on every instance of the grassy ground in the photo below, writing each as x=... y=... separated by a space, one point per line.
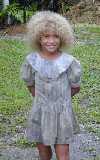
x=15 y=99
x=88 y=52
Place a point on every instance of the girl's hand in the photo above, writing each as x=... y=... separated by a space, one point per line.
x=75 y=90
x=31 y=90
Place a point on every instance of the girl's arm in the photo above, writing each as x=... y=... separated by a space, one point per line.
x=74 y=76
x=27 y=74
x=31 y=90
x=75 y=90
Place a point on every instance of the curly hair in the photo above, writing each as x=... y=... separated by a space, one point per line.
x=49 y=21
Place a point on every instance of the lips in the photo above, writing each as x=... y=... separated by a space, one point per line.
x=51 y=45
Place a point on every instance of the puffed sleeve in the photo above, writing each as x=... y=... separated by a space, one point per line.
x=74 y=73
x=27 y=73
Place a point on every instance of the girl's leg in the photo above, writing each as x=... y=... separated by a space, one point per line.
x=62 y=151
x=45 y=152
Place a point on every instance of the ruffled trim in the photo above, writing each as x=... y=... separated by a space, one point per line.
x=50 y=68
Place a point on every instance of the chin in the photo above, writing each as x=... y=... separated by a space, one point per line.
x=51 y=50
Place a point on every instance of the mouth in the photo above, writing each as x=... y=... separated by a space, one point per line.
x=51 y=45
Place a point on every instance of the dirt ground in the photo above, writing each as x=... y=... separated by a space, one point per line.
x=14 y=30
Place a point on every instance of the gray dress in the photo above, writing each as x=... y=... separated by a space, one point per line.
x=51 y=119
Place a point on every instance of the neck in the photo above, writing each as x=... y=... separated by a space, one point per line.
x=50 y=54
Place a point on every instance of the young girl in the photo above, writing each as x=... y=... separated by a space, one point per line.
x=52 y=76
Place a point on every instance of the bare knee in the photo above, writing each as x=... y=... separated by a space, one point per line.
x=45 y=152
x=62 y=151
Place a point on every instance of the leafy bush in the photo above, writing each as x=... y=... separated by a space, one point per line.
x=16 y=12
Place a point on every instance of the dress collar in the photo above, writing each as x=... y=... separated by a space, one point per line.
x=50 y=68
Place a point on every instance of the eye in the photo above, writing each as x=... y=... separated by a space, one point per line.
x=56 y=36
x=46 y=36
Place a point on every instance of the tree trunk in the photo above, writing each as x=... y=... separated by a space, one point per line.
x=24 y=15
x=5 y=3
x=8 y=19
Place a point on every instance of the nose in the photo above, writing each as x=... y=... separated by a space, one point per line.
x=51 y=39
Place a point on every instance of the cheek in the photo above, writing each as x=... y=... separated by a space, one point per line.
x=43 y=41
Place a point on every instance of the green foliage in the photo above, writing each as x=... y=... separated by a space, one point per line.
x=94 y=158
x=3 y=14
x=22 y=142
x=16 y=11
x=64 y=7
x=0 y=1
x=12 y=10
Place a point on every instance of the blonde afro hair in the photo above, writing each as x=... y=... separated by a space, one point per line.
x=49 y=21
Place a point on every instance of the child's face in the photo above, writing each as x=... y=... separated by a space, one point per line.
x=49 y=42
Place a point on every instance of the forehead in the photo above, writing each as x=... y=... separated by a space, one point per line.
x=49 y=33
